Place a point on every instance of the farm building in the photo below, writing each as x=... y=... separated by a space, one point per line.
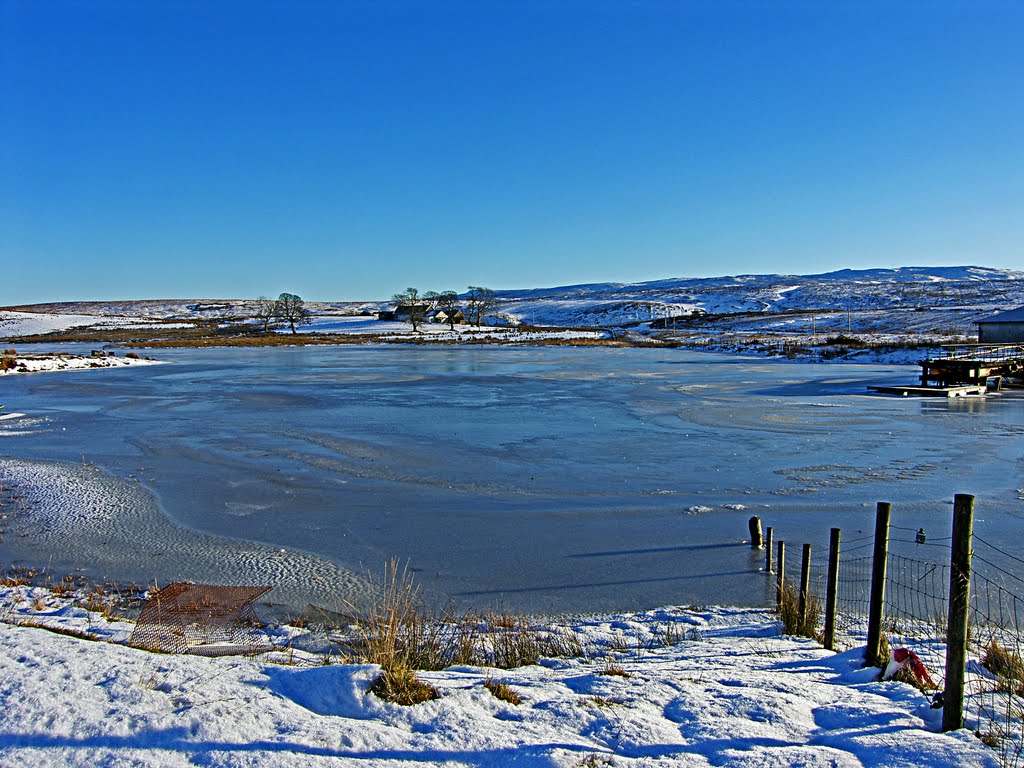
x=445 y=316
x=1004 y=328
x=403 y=312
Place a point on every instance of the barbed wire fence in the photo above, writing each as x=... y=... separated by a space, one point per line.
x=915 y=614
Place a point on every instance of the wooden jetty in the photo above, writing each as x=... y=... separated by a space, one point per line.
x=985 y=365
x=933 y=391
x=964 y=369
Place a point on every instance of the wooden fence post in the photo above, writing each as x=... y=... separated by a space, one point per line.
x=768 y=535
x=754 y=524
x=780 y=580
x=877 y=599
x=959 y=610
x=805 y=585
x=832 y=590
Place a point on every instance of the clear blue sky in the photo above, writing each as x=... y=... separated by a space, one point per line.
x=346 y=150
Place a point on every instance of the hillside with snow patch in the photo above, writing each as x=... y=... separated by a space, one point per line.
x=946 y=301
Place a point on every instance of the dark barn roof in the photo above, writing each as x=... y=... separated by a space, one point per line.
x=1010 y=316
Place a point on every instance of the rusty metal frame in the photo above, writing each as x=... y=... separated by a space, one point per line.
x=201 y=619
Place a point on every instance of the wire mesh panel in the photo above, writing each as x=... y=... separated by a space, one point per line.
x=916 y=598
x=201 y=619
x=995 y=683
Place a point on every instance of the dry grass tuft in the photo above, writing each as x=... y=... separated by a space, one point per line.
x=613 y=669
x=789 y=613
x=502 y=691
x=1007 y=665
x=397 y=632
x=511 y=641
x=990 y=739
x=400 y=685
x=595 y=761
x=905 y=675
x=602 y=701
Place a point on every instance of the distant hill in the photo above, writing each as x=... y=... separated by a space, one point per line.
x=848 y=289
x=980 y=289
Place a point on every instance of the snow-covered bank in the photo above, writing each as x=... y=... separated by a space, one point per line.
x=701 y=687
x=63 y=362
x=387 y=330
x=865 y=350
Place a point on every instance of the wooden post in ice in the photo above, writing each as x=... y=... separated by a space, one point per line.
x=959 y=608
x=780 y=581
x=877 y=599
x=805 y=585
x=832 y=590
x=754 y=524
x=768 y=534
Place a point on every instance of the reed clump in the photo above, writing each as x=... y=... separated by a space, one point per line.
x=1006 y=665
x=398 y=632
x=793 y=622
x=502 y=691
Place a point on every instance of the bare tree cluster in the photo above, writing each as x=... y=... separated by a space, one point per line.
x=479 y=301
x=286 y=308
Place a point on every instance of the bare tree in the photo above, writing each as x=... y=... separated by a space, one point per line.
x=292 y=310
x=447 y=301
x=410 y=303
x=479 y=301
x=265 y=312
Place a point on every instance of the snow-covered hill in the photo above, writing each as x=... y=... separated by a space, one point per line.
x=873 y=301
x=980 y=288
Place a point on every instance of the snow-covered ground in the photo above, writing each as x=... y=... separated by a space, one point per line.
x=59 y=362
x=702 y=687
x=14 y=324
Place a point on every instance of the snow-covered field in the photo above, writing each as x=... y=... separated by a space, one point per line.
x=702 y=687
x=14 y=324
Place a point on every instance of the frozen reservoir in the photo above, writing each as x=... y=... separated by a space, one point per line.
x=543 y=479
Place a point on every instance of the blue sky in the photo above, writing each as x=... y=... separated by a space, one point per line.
x=346 y=150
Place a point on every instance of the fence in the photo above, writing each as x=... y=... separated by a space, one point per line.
x=964 y=624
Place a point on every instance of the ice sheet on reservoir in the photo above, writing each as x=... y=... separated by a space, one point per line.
x=543 y=478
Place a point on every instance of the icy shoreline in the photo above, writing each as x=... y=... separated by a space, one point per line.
x=67 y=514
